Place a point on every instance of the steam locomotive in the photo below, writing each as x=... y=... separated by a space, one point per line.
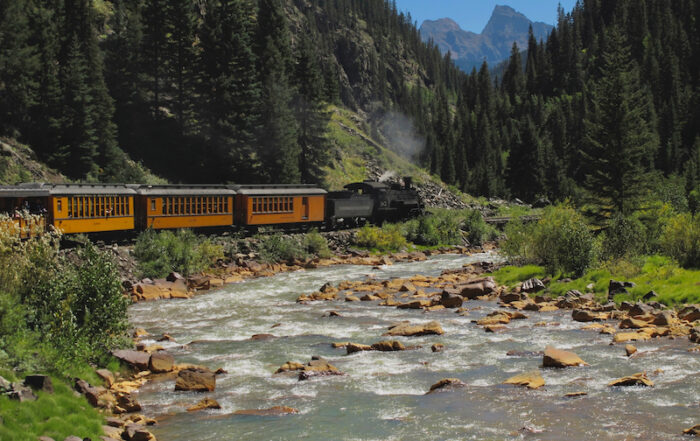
x=92 y=208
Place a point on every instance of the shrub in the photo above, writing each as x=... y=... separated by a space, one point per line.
x=681 y=240
x=561 y=241
x=279 y=248
x=386 y=238
x=161 y=252
x=316 y=244
x=625 y=236
x=447 y=227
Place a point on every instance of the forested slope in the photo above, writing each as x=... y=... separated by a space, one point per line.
x=241 y=91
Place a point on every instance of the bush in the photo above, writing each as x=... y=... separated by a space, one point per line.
x=447 y=227
x=161 y=252
x=625 y=236
x=680 y=240
x=316 y=244
x=561 y=241
x=386 y=238
x=279 y=248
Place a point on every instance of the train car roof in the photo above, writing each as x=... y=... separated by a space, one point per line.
x=36 y=189
x=185 y=190
x=278 y=190
x=91 y=189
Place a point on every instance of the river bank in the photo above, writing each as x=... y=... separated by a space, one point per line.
x=253 y=328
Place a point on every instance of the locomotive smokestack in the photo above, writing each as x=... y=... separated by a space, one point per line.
x=407 y=182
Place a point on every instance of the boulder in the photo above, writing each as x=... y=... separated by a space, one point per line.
x=106 y=376
x=206 y=403
x=446 y=384
x=694 y=335
x=690 y=313
x=72 y=438
x=136 y=359
x=640 y=309
x=128 y=402
x=161 y=362
x=195 y=380
x=140 y=332
x=532 y=380
x=415 y=304
x=273 y=411
x=478 y=289
x=293 y=366
x=558 y=358
x=639 y=379
x=408 y=330
x=21 y=393
x=498 y=318
x=622 y=337
x=407 y=287
x=352 y=298
x=388 y=346
x=112 y=432
x=136 y=432
x=351 y=348
x=510 y=297
x=451 y=299
x=173 y=277
x=532 y=285
x=39 y=382
x=629 y=349
x=437 y=347
x=694 y=431
x=318 y=367
x=46 y=438
x=618 y=287
x=584 y=315
x=632 y=323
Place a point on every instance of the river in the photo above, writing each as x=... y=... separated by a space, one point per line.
x=382 y=396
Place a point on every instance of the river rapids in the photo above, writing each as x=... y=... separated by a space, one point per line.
x=382 y=394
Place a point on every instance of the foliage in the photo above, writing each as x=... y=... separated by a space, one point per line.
x=674 y=285
x=448 y=227
x=561 y=241
x=160 y=252
x=280 y=248
x=56 y=415
x=316 y=244
x=681 y=240
x=386 y=238
x=625 y=236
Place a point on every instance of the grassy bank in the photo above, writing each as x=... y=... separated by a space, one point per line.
x=658 y=251
x=673 y=284
x=59 y=316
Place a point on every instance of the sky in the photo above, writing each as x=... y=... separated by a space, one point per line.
x=472 y=15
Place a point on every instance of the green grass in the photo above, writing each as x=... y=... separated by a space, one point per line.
x=56 y=415
x=673 y=284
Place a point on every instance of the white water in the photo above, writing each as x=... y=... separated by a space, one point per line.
x=382 y=394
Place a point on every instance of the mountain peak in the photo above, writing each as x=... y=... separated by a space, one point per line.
x=468 y=49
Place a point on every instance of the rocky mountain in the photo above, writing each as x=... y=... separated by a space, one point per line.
x=469 y=49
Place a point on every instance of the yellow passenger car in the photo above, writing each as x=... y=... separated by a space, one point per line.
x=184 y=206
x=90 y=208
x=279 y=204
x=24 y=209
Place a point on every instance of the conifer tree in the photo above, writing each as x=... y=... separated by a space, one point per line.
x=619 y=142
x=230 y=91
x=278 y=138
x=311 y=114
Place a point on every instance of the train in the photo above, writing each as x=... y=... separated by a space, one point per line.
x=102 y=208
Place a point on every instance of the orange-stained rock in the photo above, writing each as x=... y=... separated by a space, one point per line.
x=415 y=304
x=639 y=379
x=629 y=349
x=161 y=362
x=388 y=346
x=560 y=359
x=437 y=347
x=446 y=384
x=207 y=403
x=532 y=380
x=694 y=431
x=495 y=319
x=622 y=337
x=409 y=330
x=273 y=411
x=357 y=347
x=195 y=381
x=292 y=366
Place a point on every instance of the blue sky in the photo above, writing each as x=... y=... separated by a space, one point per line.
x=472 y=15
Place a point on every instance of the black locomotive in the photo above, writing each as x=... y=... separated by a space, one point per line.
x=372 y=201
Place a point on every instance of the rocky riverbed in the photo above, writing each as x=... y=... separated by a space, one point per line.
x=415 y=350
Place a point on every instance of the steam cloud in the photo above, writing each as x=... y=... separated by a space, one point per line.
x=401 y=136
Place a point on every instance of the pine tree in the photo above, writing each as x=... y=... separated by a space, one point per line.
x=311 y=114
x=181 y=54
x=278 y=138
x=230 y=91
x=619 y=142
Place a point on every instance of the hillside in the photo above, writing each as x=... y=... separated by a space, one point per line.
x=493 y=45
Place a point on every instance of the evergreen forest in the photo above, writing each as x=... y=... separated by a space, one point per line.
x=604 y=111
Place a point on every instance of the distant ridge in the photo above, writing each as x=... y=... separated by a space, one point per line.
x=469 y=49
